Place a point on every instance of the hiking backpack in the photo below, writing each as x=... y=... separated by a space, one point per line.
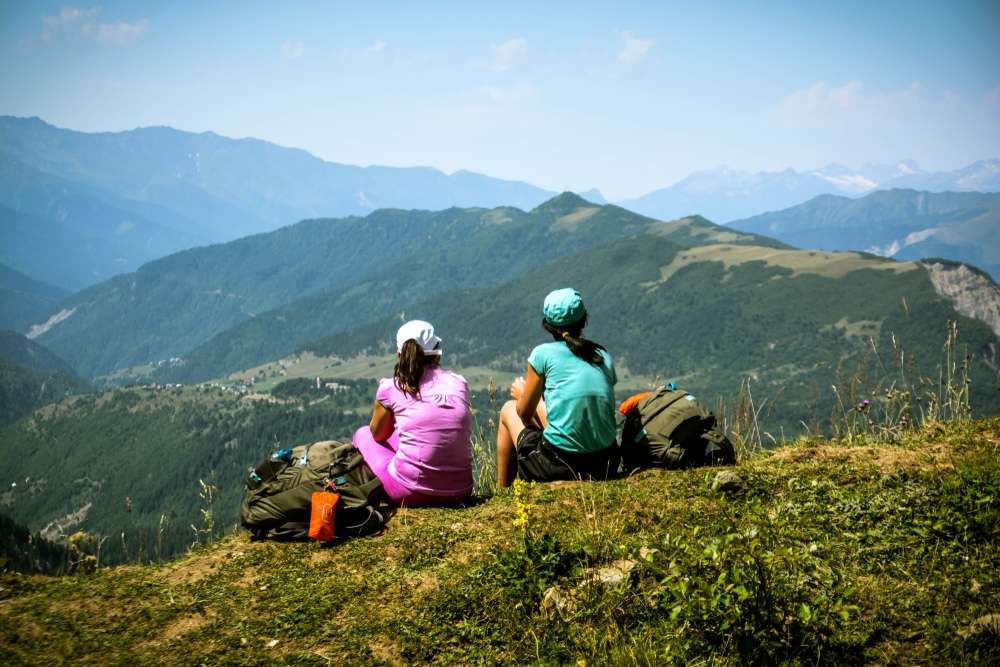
x=279 y=491
x=671 y=429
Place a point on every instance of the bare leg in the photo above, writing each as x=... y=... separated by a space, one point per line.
x=508 y=429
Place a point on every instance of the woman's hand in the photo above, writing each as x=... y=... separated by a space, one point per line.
x=517 y=388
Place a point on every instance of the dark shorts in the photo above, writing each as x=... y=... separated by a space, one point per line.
x=538 y=460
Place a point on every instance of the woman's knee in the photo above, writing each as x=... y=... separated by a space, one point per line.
x=508 y=409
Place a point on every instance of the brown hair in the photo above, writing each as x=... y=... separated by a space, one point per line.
x=410 y=366
x=577 y=344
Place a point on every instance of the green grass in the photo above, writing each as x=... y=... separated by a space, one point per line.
x=834 y=554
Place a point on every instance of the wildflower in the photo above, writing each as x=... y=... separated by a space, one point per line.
x=522 y=507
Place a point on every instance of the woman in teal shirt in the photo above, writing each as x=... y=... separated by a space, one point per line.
x=561 y=421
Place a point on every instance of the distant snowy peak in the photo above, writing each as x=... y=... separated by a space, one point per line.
x=982 y=175
x=868 y=177
x=724 y=194
x=847 y=182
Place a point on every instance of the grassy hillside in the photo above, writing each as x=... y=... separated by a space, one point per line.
x=832 y=554
x=793 y=321
x=562 y=226
x=905 y=224
x=321 y=276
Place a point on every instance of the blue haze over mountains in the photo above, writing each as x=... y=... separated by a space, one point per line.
x=114 y=201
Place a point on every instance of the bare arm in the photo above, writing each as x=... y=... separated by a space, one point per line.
x=528 y=394
x=383 y=422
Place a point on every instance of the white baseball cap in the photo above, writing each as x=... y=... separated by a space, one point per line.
x=420 y=331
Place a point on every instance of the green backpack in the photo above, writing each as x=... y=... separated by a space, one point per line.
x=672 y=429
x=278 y=496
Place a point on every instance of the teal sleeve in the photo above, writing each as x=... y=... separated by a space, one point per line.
x=537 y=360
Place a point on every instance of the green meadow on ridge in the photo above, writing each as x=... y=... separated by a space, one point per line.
x=832 y=553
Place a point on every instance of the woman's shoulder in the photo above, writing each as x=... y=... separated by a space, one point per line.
x=447 y=380
x=452 y=375
x=546 y=349
x=386 y=391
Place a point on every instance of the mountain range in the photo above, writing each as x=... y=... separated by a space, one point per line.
x=128 y=197
x=319 y=276
x=724 y=194
x=904 y=224
x=113 y=201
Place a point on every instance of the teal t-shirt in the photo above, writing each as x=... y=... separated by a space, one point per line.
x=579 y=397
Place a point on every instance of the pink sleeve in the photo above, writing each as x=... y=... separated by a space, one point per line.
x=385 y=393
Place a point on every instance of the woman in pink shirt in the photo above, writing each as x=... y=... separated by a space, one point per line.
x=417 y=443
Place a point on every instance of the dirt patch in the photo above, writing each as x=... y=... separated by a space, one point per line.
x=423 y=582
x=196 y=568
x=886 y=458
x=247 y=579
x=571 y=220
x=387 y=652
x=184 y=625
x=323 y=556
x=85 y=607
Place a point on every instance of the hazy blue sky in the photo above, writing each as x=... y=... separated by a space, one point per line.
x=624 y=97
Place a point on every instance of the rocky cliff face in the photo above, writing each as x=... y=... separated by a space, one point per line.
x=972 y=293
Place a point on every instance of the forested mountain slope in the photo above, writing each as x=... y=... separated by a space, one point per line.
x=30 y=377
x=376 y=265
x=25 y=301
x=130 y=460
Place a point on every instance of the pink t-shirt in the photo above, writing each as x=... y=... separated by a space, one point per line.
x=434 y=455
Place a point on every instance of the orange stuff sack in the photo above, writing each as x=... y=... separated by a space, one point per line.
x=633 y=401
x=322 y=521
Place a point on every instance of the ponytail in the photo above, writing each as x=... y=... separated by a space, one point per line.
x=410 y=366
x=587 y=350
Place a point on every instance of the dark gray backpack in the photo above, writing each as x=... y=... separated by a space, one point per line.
x=672 y=429
x=278 y=496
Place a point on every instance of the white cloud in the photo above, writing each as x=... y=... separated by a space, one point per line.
x=377 y=46
x=84 y=22
x=507 y=94
x=290 y=50
x=822 y=97
x=992 y=98
x=635 y=48
x=506 y=55
x=852 y=105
